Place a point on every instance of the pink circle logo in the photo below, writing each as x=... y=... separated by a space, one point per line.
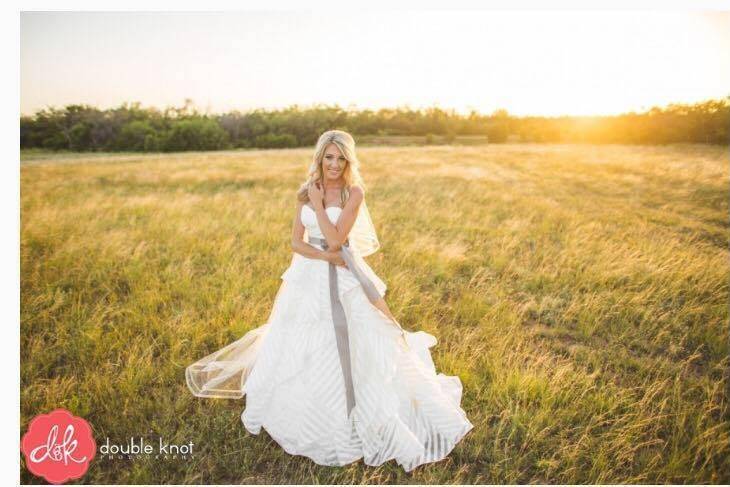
x=58 y=446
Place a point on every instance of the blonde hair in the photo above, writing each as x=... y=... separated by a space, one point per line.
x=351 y=173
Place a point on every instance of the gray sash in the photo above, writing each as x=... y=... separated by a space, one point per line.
x=338 y=312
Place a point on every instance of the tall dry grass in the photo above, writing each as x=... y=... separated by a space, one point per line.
x=579 y=292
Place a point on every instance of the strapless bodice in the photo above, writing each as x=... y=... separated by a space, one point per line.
x=308 y=218
x=305 y=269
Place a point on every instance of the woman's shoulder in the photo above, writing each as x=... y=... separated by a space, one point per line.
x=356 y=189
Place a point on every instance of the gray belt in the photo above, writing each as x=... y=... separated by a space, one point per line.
x=338 y=312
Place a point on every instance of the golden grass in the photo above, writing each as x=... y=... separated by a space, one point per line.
x=579 y=292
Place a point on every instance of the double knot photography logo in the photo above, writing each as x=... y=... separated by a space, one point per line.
x=58 y=446
x=134 y=448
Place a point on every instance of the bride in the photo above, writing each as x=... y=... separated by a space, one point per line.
x=332 y=375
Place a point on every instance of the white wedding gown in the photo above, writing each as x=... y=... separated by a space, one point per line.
x=289 y=370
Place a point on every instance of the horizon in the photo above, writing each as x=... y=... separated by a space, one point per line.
x=529 y=63
x=301 y=107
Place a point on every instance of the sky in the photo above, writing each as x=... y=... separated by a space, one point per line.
x=551 y=62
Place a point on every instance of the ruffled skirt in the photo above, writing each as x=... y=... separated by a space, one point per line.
x=290 y=372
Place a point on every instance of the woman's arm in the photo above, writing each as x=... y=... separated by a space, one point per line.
x=337 y=234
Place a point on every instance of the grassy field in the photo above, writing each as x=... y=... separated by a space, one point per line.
x=580 y=293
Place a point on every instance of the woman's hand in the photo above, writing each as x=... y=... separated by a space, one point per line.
x=334 y=258
x=316 y=195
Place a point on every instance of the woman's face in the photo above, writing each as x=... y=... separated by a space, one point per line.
x=333 y=163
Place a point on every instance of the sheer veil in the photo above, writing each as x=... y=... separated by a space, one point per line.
x=362 y=236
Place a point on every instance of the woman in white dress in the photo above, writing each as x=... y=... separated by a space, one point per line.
x=332 y=375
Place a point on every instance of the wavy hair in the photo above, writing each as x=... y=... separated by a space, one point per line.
x=351 y=173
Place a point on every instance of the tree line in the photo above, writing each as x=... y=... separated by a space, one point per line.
x=130 y=127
